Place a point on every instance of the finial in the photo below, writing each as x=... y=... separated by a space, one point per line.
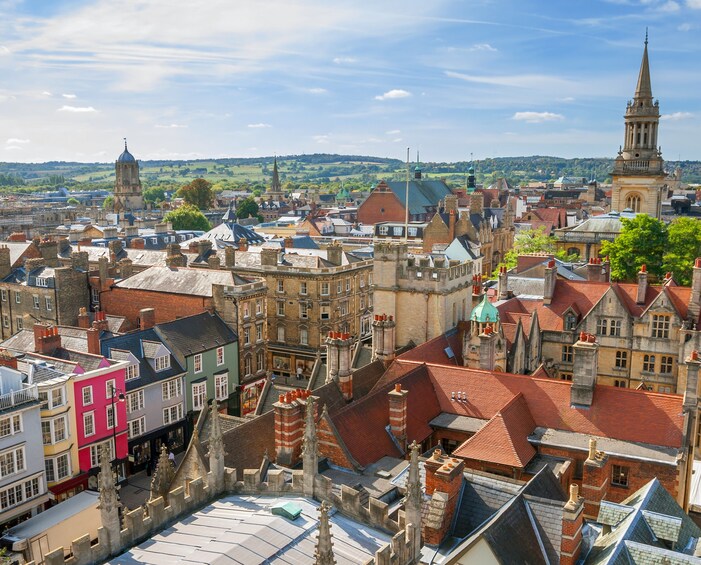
x=125 y=144
x=645 y=36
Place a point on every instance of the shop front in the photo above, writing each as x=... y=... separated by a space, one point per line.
x=250 y=393
x=145 y=450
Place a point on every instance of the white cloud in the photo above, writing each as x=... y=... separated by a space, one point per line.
x=317 y=90
x=259 y=126
x=4 y=50
x=483 y=47
x=393 y=132
x=670 y=7
x=676 y=116
x=567 y=99
x=685 y=27
x=12 y=148
x=15 y=140
x=69 y=96
x=77 y=109
x=344 y=60
x=46 y=93
x=537 y=117
x=694 y=4
x=540 y=82
x=170 y=126
x=322 y=139
x=393 y=94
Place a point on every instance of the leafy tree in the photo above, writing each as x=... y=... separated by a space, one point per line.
x=154 y=195
x=187 y=217
x=108 y=203
x=529 y=242
x=642 y=241
x=248 y=208
x=683 y=247
x=198 y=193
x=72 y=201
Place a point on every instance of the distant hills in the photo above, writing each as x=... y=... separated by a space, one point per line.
x=321 y=168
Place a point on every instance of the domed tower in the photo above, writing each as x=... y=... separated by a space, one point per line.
x=127 y=186
x=484 y=346
x=638 y=178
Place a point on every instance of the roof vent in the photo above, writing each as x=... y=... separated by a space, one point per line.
x=287 y=510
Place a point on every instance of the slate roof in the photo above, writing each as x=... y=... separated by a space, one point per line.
x=227 y=233
x=175 y=280
x=636 y=538
x=195 y=334
x=423 y=193
x=136 y=343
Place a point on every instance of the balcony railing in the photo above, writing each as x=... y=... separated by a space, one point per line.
x=16 y=397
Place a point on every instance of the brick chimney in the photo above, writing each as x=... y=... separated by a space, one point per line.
x=586 y=366
x=214 y=262
x=93 y=335
x=477 y=203
x=5 y=261
x=8 y=359
x=572 y=522
x=549 y=278
x=289 y=426
x=204 y=246
x=338 y=360
x=83 y=318
x=103 y=269
x=334 y=254
x=444 y=476
x=383 y=338
x=100 y=321
x=174 y=256
x=229 y=257
x=289 y=242
x=46 y=339
x=642 y=285
x=137 y=243
x=695 y=297
x=692 y=382
x=243 y=244
x=596 y=478
x=80 y=260
x=595 y=270
x=147 y=318
x=268 y=257
x=503 y=284
x=398 y=414
x=49 y=251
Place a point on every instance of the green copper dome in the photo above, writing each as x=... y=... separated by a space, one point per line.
x=484 y=312
x=471 y=171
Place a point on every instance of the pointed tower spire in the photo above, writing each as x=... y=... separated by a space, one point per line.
x=644 y=89
x=109 y=502
x=163 y=476
x=216 y=450
x=275 y=185
x=414 y=496
x=310 y=448
x=323 y=554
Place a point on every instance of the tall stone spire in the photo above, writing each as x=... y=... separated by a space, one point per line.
x=216 y=450
x=414 y=496
x=162 y=477
x=643 y=89
x=323 y=554
x=310 y=448
x=109 y=502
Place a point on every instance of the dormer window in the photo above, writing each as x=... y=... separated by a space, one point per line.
x=162 y=363
x=41 y=281
x=570 y=322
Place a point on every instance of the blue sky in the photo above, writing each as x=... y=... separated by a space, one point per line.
x=223 y=78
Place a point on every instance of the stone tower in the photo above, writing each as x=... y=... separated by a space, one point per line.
x=638 y=178
x=275 y=191
x=127 y=186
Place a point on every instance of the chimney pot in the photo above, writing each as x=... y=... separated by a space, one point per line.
x=643 y=268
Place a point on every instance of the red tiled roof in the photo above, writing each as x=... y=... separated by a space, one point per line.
x=433 y=351
x=362 y=424
x=504 y=439
x=616 y=413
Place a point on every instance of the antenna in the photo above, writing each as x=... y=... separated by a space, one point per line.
x=406 y=200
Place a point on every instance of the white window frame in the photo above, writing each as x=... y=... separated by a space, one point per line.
x=136 y=427
x=10 y=425
x=35 y=299
x=3 y=295
x=220 y=356
x=111 y=413
x=18 y=297
x=132 y=372
x=89 y=423
x=96 y=449
x=87 y=398
x=162 y=363
x=197 y=363
x=135 y=401
x=173 y=414
x=171 y=389
x=325 y=288
x=221 y=386
x=12 y=461
x=199 y=395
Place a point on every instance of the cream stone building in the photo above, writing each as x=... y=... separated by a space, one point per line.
x=127 y=185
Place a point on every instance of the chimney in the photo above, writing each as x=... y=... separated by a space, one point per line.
x=126 y=268
x=83 y=318
x=100 y=321
x=214 y=262
x=594 y=268
x=109 y=232
x=606 y=270
x=338 y=362
x=383 y=338
x=289 y=242
x=103 y=269
x=174 y=256
x=642 y=285
x=268 y=257
x=695 y=297
x=147 y=318
x=5 y=261
x=549 y=278
x=115 y=247
x=692 y=382
x=596 y=479
x=398 y=415
x=49 y=251
x=289 y=427
x=229 y=257
x=80 y=260
x=46 y=339
x=137 y=243
x=204 y=246
x=503 y=284
x=8 y=359
x=243 y=244
x=161 y=227
x=131 y=231
x=334 y=253
x=34 y=263
x=585 y=370
x=477 y=203
x=572 y=522
x=444 y=476
x=64 y=246
x=93 y=335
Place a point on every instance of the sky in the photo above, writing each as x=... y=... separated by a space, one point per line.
x=453 y=79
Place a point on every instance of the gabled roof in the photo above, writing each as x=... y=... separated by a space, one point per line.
x=195 y=334
x=504 y=439
x=423 y=193
x=174 y=280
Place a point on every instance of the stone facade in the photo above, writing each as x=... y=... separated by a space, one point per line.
x=127 y=185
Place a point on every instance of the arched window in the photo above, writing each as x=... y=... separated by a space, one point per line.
x=633 y=202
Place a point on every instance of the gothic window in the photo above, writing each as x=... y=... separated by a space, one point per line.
x=633 y=202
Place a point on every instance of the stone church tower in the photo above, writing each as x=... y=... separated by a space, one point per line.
x=638 y=175
x=127 y=186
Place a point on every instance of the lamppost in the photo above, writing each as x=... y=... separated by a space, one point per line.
x=117 y=394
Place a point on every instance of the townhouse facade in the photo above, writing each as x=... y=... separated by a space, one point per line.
x=23 y=489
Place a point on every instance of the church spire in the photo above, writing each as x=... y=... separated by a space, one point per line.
x=643 y=89
x=323 y=554
x=275 y=186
